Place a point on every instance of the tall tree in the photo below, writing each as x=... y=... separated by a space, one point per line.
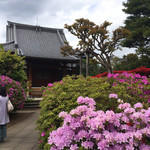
x=138 y=22
x=129 y=62
x=95 y=40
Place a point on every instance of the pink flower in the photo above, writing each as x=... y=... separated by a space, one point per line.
x=144 y=77
x=63 y=114
x=124 y=106
x=110 y=75
x=137 y=75
x=138 y=105
x=113 y=95
x=61 y=82
x=114 y=84
x=43 y=134
x=116 y=75
x=129 y=110
x=50 y=84
x=74 y=147
x=80 y=100
x=144 y=81
x=122 y=80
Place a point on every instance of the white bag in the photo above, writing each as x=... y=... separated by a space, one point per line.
x=10 y=107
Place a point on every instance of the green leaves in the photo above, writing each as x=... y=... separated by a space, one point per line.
x=12 y=66
x=62 y=96
x=137 y=22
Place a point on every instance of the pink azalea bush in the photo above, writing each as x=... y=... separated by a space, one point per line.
x=14 y=90
x=62 y=96
x=85 y=128
x=138 y=86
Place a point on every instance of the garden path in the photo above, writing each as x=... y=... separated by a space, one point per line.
x=21 y=134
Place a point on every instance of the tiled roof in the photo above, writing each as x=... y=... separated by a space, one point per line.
x=35 y=41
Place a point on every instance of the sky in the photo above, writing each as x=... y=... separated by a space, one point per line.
x=56 y=13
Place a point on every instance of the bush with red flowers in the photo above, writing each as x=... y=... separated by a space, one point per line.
x=143 y=71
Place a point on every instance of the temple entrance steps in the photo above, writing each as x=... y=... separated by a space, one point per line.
x=32 y=103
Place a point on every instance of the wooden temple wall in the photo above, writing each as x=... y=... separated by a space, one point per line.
x=40 y=74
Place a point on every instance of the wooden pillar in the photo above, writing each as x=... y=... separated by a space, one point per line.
x=30 y=78
x=87 y=64
x=81 y=64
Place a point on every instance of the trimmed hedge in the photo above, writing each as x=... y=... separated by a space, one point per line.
x=61 y=96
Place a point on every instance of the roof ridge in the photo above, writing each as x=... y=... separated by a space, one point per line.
x=32 y=26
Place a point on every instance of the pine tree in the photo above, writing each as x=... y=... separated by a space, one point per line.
x=138 y=22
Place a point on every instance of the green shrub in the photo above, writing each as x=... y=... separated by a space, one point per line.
x=61 y=96
x=13 y=66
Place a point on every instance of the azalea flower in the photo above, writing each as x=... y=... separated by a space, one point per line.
x=43 y=134
x=50 y=84
x=113 y=95
x=102 y=129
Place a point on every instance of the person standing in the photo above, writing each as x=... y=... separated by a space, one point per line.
x=4 y=117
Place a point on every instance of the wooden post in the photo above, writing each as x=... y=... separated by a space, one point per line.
x=30 y=78
x=81 y=64
x=87 y=64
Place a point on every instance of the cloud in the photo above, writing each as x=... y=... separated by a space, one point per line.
x=20 y=8
x=56 y=13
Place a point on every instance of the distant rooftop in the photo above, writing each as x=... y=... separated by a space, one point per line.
x=35 y=41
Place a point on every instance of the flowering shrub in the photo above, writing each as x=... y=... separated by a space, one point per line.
x=138 y=86
x=61 y=96
x=86 y=128
x=14 y=90
x=142 y=71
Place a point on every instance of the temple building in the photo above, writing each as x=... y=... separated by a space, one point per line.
x=41 y=48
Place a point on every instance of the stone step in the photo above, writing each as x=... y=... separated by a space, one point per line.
x=31 y=107
x=34 y=103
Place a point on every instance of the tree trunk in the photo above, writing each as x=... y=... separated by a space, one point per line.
x=109 y=69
